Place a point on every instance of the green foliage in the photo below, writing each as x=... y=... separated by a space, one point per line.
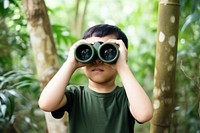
x=63 y=40
x=19 y=88
x=13 y=36
x=4 y=7
x=13 y=99
x=7 y=106
x=186 y=112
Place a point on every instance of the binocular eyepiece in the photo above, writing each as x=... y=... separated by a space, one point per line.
x=107 y=52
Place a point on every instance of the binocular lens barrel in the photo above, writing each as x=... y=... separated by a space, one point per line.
x=106 y=52
x=84 y=53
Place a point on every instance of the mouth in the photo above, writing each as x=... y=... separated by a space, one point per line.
x=96 y=69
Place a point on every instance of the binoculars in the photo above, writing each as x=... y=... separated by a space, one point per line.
x=107 y=52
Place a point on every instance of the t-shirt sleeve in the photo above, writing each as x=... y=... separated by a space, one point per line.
x=67 y=107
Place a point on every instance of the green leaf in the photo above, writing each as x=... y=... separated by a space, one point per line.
x=3 y=110
x=190 y=19
x=7 y=107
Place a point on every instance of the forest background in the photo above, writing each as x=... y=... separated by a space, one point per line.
x=19 y=84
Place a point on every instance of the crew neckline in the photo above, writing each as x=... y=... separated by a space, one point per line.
x=98 y=94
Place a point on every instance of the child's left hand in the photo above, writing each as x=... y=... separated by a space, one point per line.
x=123 y=53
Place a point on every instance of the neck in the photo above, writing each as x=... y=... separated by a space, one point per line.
x=102 y=87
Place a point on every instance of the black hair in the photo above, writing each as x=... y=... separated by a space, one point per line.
x=102 y=30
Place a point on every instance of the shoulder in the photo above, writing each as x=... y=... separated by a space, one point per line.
x=120 y=91
x=74 y=89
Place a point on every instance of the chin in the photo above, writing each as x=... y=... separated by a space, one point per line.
x=100 y=80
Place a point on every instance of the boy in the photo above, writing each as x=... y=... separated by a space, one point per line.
x=101 y=106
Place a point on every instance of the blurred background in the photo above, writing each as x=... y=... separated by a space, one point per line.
x=19 y=84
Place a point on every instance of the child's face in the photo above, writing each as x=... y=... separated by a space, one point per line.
x=98 y=71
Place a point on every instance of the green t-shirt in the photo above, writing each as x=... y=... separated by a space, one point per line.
x=92 y=112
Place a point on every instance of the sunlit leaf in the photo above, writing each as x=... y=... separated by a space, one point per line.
x=7 y=108
x=3 y=110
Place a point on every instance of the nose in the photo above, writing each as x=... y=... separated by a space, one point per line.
x=97 y=61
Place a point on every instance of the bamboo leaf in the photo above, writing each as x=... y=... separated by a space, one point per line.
x=7 y=107
x=190 y=19
x=3 y=110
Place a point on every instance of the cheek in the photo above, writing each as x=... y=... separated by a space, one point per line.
x=86 y=71
x=110 y=71
x=111 y=67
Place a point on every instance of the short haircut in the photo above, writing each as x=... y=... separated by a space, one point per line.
x=102 y=30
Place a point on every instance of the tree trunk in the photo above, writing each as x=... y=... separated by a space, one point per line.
x=78 y=21
x=165 y=66
x=44 y=52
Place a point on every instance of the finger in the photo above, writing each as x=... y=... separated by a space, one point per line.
x=118 y=42
x=76 y=44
